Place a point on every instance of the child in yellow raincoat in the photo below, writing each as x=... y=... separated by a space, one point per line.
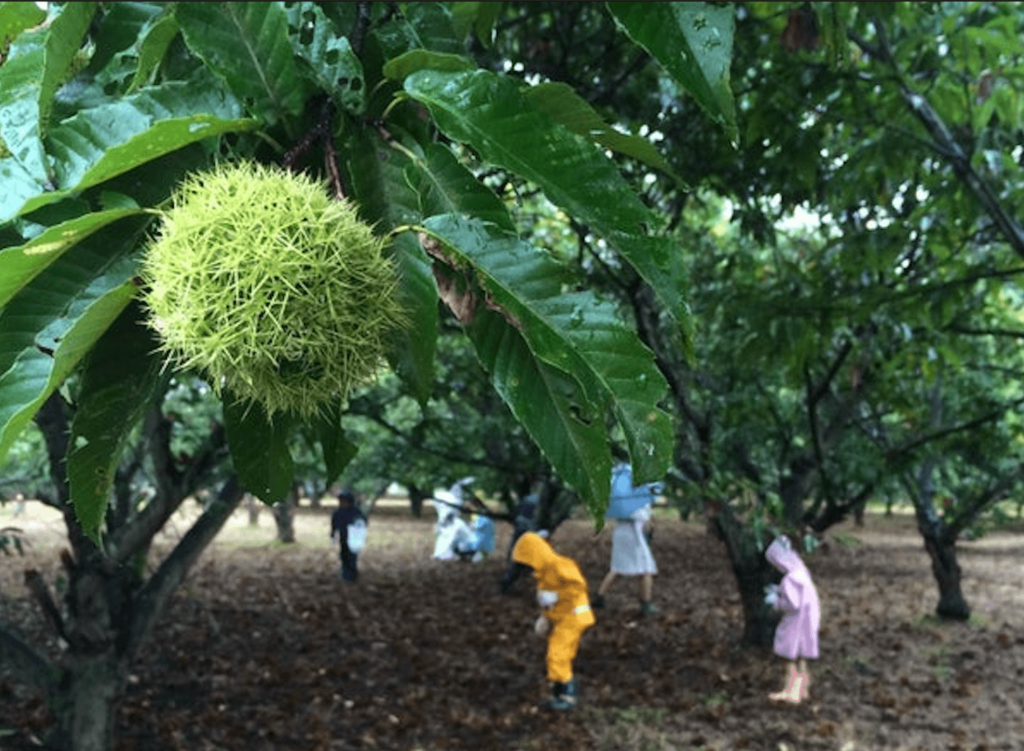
x=562 y=593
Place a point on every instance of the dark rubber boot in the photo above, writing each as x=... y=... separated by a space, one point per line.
x=563 y=696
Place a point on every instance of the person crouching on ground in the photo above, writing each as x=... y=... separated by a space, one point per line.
x=562 y=593
x=796 y=636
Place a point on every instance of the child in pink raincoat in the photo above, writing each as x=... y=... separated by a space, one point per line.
x=796 y=637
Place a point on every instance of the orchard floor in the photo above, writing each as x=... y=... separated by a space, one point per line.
x=264 y=648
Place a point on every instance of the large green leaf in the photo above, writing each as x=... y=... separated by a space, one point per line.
x=572 y=331
x=560 y=102
x=19 y=186
x=332 y=64
x=480 y=17
x=337 y=449
x=47 y=328
x=19 y=265
x=378 y=174
x=445 y=186
x=99 y=143
x=490 y=113
x=16 y=17
x=151 y=47
x=398 y=68
x=20 y=125
x=259 y=449
x=119 y=378
x=549 y=404
x=29 y=78
x=247 y=45
x=414 y=348
x=693 y=42
x=119 y=30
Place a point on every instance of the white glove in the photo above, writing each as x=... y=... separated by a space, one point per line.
x=541 y=625
x=771 y=595
x=546 y=598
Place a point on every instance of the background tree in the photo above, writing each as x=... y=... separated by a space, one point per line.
x=879 y=124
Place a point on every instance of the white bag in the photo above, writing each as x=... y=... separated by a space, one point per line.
x=356 y=536
x=546 y=598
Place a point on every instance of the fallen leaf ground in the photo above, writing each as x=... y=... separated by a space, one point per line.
x=265 y=649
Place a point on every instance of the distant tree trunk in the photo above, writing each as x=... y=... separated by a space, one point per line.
x=940 y=542
x=284 y=516
x=252 y=505
x=753 y=573
x=858 y=513
x=939 y=539
x=416 y=498
x=952 y=605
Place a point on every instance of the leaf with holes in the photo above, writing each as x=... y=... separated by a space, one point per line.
x=332 y=65
x=693 y=42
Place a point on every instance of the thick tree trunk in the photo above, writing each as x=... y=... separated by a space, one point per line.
x=952 y=604
x=416 y=498
x=85 y=708
x=753 y=573
x=110 y=610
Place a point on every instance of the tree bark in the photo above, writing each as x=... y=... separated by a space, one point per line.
x=253 y=507
x=416 y=498
x=86 y=705
x=284 y=516
x=952 y=604
x=753 y=573
x=110 y=610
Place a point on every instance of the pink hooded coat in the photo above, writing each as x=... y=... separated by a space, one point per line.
x=797 y=633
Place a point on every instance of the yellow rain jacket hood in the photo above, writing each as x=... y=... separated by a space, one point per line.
x=556 y=573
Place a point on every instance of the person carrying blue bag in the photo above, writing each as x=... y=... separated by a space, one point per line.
x=629 y=507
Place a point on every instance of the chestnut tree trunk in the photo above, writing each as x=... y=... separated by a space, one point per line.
x=109 y=608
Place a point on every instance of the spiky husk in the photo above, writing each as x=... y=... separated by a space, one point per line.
x=276 y=292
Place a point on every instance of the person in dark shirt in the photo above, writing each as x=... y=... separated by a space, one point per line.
x=346 y=514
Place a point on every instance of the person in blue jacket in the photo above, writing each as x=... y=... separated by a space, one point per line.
x=346 y=514
x=629 y=508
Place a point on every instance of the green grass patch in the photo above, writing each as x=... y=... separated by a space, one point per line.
x=636 y=728
x=845 y=540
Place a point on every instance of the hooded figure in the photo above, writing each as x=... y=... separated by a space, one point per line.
x=630 y=507
x=797 y=633
x=451 y=531
x=796 y=636
x=562 y=593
